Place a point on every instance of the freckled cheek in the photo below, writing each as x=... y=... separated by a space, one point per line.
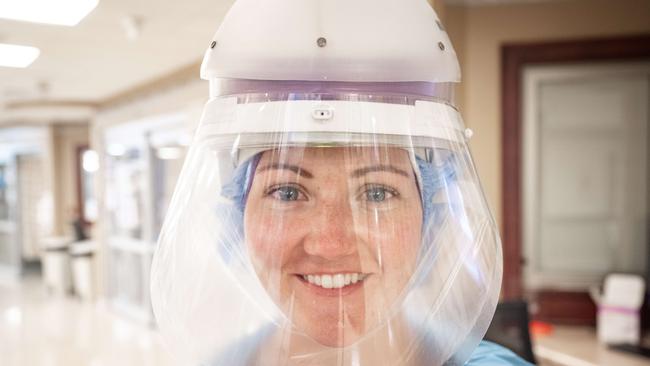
x=269 y=236
x=397 y=235
x=400 y=240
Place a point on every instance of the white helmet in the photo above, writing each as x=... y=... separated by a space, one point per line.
x=328 y=212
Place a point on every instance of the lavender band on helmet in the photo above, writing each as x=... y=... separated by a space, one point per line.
x=409 y=91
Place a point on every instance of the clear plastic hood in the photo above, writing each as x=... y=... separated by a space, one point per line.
x=346 y=230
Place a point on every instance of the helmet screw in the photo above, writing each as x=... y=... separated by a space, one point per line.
x=322 y=42
x=441 y=46
x=213 y=44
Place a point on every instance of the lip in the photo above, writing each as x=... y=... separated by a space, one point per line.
x=330 y=292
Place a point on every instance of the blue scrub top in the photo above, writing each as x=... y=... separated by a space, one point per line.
x=486 y=354
x=490 y=354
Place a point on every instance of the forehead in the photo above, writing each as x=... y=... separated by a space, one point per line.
x=324 y=157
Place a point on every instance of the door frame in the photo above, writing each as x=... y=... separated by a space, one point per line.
x=514 y=58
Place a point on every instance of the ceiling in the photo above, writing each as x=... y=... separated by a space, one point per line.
x=96 y=60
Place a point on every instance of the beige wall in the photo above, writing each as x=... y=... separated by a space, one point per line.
x=67 y=138
x=478 y=34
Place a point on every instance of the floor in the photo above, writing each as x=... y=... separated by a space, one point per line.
x=42 y=329
x=579 y=346
x=38 y=329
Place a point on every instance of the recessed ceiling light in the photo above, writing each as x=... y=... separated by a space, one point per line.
x=12 y=55
x=61 y=12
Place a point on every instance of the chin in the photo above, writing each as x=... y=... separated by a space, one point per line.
x=331 y=331
x=328 y=320
x=334 y=337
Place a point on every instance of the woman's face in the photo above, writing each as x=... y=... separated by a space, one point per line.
x=334 y=234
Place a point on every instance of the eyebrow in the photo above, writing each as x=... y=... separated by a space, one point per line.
x=294 y=168
x=378 y=168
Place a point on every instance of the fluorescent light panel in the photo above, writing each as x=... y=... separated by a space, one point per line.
x=59 y=12
x=12 y=55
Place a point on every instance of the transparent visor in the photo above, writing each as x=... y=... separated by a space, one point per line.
x=359 y=236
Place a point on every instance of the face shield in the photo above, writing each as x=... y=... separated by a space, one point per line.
x=327 y=223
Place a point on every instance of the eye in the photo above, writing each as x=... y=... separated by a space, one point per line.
x=285 y=193
x=379 y=194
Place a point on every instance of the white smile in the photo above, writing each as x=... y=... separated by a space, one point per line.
x=338 y=280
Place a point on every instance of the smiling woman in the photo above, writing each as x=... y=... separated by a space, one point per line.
x=339 y=230
x=297 y=247
x=328 y=212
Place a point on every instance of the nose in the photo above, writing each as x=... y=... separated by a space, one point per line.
x=332 y=235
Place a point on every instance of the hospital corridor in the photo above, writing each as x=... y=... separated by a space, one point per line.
x=324 y=182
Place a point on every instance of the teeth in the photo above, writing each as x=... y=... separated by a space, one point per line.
x=338 y=280
x=327 y=281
